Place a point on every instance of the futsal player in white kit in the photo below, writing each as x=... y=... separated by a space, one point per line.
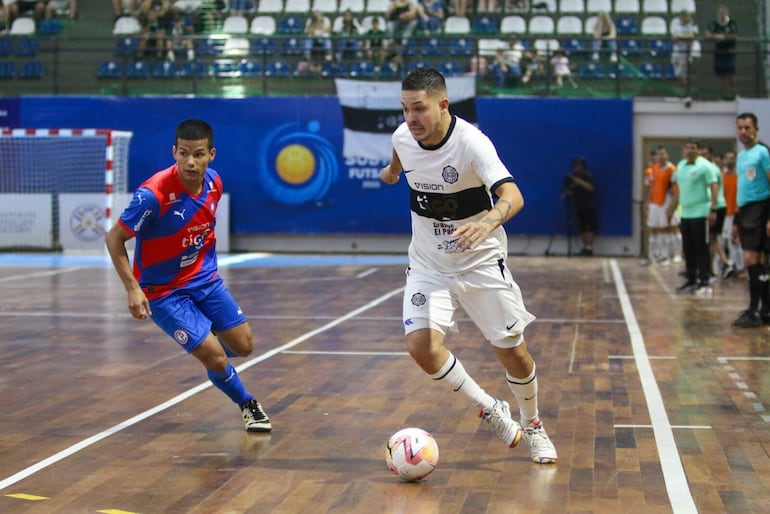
x=457 y=255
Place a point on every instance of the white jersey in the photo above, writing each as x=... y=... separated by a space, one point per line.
x=450 y=185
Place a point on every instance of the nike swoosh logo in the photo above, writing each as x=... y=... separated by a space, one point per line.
x=408 y=171
x=511 y=326
x=530 y=398
x=460 y=386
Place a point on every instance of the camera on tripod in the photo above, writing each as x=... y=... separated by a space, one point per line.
x=568 y=187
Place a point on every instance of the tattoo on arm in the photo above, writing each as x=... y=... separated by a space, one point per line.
x=503 y=208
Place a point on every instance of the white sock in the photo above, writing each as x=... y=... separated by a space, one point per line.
x=525 y=391
x=454 y=374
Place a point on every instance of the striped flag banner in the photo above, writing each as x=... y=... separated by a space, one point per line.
x=371 y=111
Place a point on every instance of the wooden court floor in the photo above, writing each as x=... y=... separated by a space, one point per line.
x=655 y=403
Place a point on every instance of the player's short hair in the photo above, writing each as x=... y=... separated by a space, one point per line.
x=425 y=79
x=194 y=130
x=749 y=116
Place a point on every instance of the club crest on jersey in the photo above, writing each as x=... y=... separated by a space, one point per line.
x=181 y=337
x=450 y=174
x=418 y=299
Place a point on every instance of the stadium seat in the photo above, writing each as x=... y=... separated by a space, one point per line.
x=263 y=26
x=569 y=25
x=362 y=69
x=433 y=47
x=355 y=6
x=541 y=25
x=484 y=25
x=126 y=25
x=325 y=6
x=620 y=69
x=293 y=46
x=651 y=70
x=388 y=72
x=126 y=47
x=417 y=64
x=588 y=25
x=209 y=46
x=450 y=68
x=461 y=46
x=291 y=24
x=269 y=7
x=164 y=70
x=109 y=70
x=7 y=69
x=377 y=6
x=626 y=25
x=235 y=25
x=655 y=6
x=22 y=27
x=235 y=46
x=631 y=47
x=627 y=6
x=137 y=70
x=654 y=26
x=595 y=6
x=49 y=27
x=348 y=48
x=250 y=68
x=333 y=69
x=31 y=70
x=659 y=47
x=27 y=47
x=488 y=47
x=194 y=69
x=668 y=71
x=677 y=6
x=571 y=6
x=6 y=47
x=224 y=69
x=546 y=46
x=457 y=25
x=590 y=70
x=513 y=24
x=297 y=6
x=574 y=46
x=278 y=68
x=263 y=46
x=410 y=47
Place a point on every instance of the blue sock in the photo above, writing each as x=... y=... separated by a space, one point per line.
x=229 y=383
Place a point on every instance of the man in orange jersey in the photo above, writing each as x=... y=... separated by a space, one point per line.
x=662 y=240
x=734 y=250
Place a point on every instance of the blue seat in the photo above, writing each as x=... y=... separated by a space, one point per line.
x=126 y=46
x=668 y=72
x=165 y=70
x=386 y=72
x=450 y=68
x=626 y=25
x=6 y=47
x=209 y=46
x=293 y=46
x=224 y=69
x=7 y=70
x=263 y=46
x=278 y=68
x=651 y=70
x=433 y=47
x=250 y=68
x=109 y=70
x=659 y=47
x=621 y=69
x=195 y=69
x=291 y=24
x=410 y=47
x=27 y=47
x=32 y=70
x=461 y=46
x=333 y=69
x=362 y=69
x=591 y=70
x=573 y=46
x=631 y=47
x=348 y=48
x=49 y=26
x=137 y=70
x=417 y=64
x=485 y=25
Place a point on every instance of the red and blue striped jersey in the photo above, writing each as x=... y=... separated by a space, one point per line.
x=174 y=230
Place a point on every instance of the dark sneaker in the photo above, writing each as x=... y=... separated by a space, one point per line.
x=727 y=270
x=687 y=287
x=255 y=418
x=765 y=317
x=748 y=319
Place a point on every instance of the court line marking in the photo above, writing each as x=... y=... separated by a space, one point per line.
x=689 y=427
x=677 y=487
x=63 y=454
x=39 y=274
x=320 y=352
x=758 y=407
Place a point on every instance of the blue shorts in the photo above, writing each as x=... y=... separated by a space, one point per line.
x=189 y=315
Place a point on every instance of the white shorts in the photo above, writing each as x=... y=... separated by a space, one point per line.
x=488 y=295
x=657 y=217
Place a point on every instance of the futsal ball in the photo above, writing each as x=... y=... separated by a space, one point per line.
x=412 y=453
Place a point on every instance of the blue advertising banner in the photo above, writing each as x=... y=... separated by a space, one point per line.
x=9 y=113
x=282 y=161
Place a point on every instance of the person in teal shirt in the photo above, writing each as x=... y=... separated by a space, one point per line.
x=696 y=193
x=752 y=221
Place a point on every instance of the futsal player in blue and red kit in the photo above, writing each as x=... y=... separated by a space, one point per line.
x=174 y=279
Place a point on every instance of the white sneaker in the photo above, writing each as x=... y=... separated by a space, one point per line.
x=499 y=419
x=255 y=418
x=540 y=446
x=677 y=259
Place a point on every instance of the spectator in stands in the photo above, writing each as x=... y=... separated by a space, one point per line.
x=125 y=8
x=683 y=31
x=4 y=16
x=348 y=43
x=560 y=68
x=486 y=6
x=240 y=7
x=23 y=7
x=432 y=13
x=605 y=36
x=318 y=45
x=506 y=67
x=179 y=40
x=723 y=32
x=459 y=7
x=516 y=6
x=532 y=65
x=155 y=19
x=401 y=17
x=375 y=44
x=54 y=7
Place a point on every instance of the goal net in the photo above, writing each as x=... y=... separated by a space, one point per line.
x=58 y=186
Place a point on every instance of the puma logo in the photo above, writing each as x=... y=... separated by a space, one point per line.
x=179 y=213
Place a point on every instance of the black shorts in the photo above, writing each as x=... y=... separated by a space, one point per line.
x=719 y=224
x=587 y=220
x=752 y=222
x=724 y=64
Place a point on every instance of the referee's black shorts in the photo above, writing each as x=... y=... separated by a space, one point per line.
x=752 y=226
